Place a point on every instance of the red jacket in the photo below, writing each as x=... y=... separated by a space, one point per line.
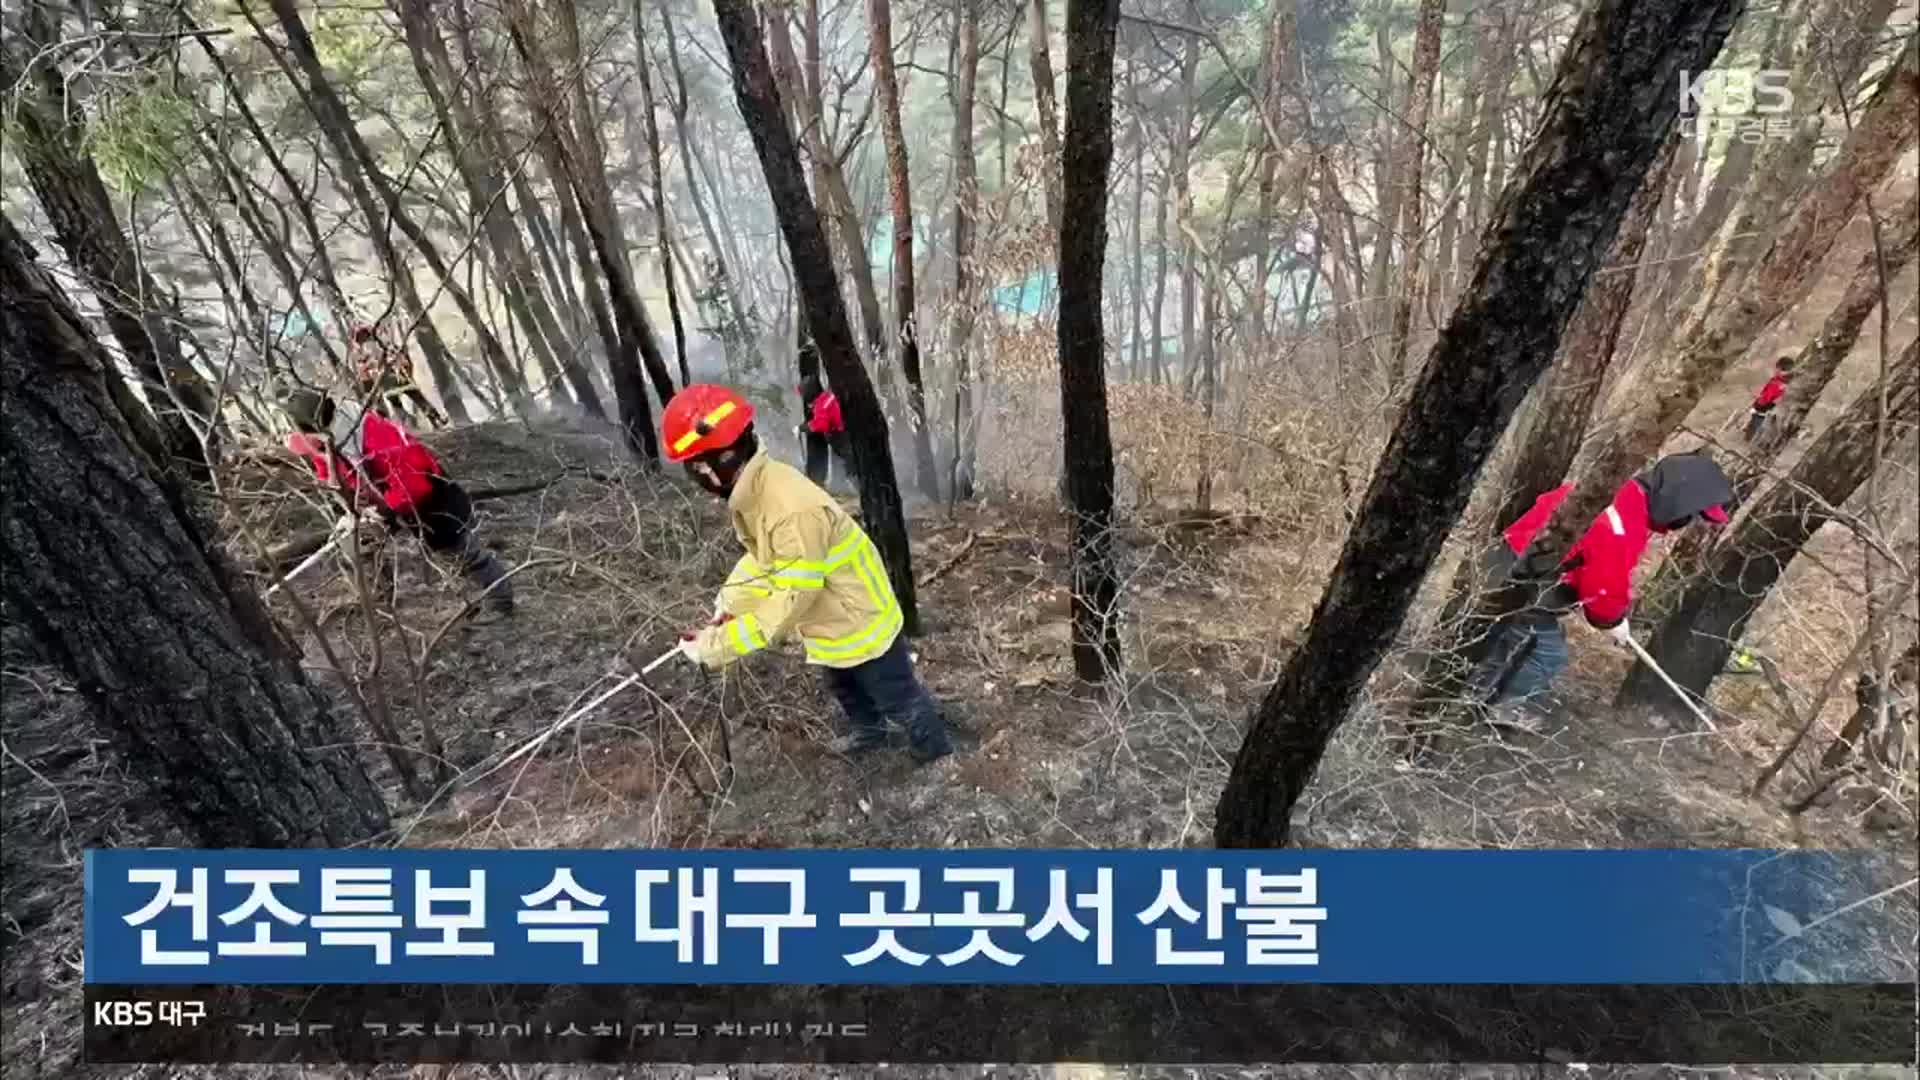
x=1603 y=560
x=400 y=466
x=826 y=416
x=1770 y=394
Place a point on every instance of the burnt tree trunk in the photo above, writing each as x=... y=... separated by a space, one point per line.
x=1046 y=107
x=659 y=176
x=1552 y=437
x=1719 y=332
x=1711 y=612
x=343 y=139
x=1820 y=358
x=900 y=192
x=116 y=577
x=759 y=100
x=573 y=152
x=485 y=193
x=966 y=208
x=586 y=158
x=67 y=183
x=1087 y=158
x=1426 y=64
x=361 y=167
x=1607 y=114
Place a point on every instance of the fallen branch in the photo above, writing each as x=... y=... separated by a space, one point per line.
x=946 y=567
x=484 y=494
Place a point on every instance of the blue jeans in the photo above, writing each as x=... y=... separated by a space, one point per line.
x=1545 y=646
x=886 y=688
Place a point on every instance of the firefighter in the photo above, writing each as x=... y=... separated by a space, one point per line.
x=377 y=466
x=810 y=572
x=384 y=376
x=1529 y=649
x=1769 y=396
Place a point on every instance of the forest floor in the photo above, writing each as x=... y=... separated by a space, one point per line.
x=612 y=558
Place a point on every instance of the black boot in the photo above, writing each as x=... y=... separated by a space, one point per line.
x=486 y=569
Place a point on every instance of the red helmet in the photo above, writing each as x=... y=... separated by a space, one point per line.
x=704 y=418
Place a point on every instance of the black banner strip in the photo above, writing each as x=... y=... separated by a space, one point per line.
x=848 y=1025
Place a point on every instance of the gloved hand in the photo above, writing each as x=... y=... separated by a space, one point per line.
x=1622 y=634
x=708 y=646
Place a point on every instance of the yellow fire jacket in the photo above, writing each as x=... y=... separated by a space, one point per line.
x=809 y=572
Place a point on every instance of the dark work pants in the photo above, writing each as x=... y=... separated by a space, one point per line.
x=445 y=524
x=886 y=688
x=1756 y=423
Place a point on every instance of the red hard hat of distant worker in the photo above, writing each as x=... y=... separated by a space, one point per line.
x=703 y=418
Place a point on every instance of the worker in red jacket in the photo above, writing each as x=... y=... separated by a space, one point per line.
x=824 y=420
x=378 y=469
x=1768 y=397
x=1530 y=649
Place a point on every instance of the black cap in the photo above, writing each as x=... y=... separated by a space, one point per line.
x=1683 y=485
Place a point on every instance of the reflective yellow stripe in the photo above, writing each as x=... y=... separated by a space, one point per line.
x=748 y=578
x=724 y=410
x=859 y=554
x=863 y=647
x=745 y=636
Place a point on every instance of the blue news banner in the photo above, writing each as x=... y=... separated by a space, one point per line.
x=688 y=925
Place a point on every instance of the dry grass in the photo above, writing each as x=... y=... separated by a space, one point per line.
x=1212 y=610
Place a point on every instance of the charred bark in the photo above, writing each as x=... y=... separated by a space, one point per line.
x=1087 y=159
x=1046 y=107
x=1710 y=615
x=1819 y=359
x=966 y=208
x=67 y=183
x=1426 y=64
x=659 y=176
x=1720 y=332
x=759 y=100
x=1552 y=437
x=114 y=573
x=900 y=192
x=1607 y=114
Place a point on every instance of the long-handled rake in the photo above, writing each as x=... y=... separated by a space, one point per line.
x=571 y=718
x=1685 y=698
x=312 y=560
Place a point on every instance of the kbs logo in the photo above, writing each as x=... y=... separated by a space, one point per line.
x=147 y=1013
x=123 y=1013
x=1749 y=104
x=1736 y=92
